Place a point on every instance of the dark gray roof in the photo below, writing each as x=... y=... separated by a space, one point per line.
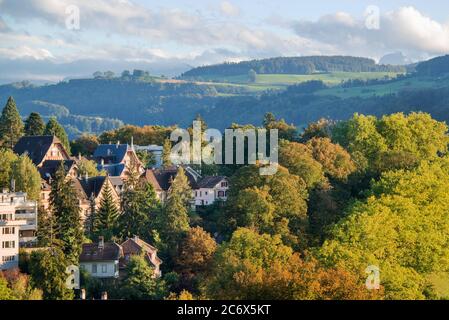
x=113 y=170
x=90 y=252
x=49 y=168
x=92 y=185
x=210 y=181
x=111 y=153
x=35 y=147
x=161 y=178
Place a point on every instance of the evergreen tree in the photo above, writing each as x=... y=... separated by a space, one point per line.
x=11 y=124
x=46 y=223
x=166 y=161
x=53 y=128
x=173 y=222
x=107 y=215
x=66 y=212
x=137 y=205
x=34 y=125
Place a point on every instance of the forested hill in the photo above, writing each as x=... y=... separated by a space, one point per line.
x=293 y=65
x=434 y=67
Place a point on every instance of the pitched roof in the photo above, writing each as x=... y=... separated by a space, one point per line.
x=113 y=153
x=35 y=147
x=138 y=244
x=91 y=252
x=210 y=181
x=49 y=168
x=161 y=178
x=114 y=170
x=92 y=185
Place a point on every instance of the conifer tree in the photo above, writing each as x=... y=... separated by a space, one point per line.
x=173 y=222
x=166 y=161
x=46 y=223
x=53 y=128
x=66 y=211
x=34 y=125
x=11 y=124
x=108 y=213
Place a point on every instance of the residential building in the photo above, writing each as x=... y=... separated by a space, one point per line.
x=210 y=189
x=155 y=150
x=109 y=259
x=101 y=260
x=117 y=159
x=48 y=170
x=206 y=190
x=9 y=236
x=25 y=210
x=136 y=246
x=41 y=148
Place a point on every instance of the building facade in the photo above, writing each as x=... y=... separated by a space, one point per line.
x=9 y=236
x=25 y=210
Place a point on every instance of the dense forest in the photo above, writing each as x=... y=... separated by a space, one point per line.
x=294 y=65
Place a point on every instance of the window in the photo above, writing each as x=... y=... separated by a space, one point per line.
x=224 y=184
x=94 y=268
x=221 y=194
x=104 y=268
x=8 y=244
x=205 y=192
x=6 y=216
x=9 y=230
x=8 y=258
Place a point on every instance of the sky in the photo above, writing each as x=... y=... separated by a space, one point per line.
x=47 y=40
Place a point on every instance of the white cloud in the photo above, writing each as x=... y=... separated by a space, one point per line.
x=229 y=9
x=21 y=52
x=405 y=29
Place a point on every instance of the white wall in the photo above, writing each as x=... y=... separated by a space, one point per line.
x=111 y=269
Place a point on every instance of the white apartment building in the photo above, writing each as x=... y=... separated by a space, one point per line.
x=25 y=210
x=9 y=236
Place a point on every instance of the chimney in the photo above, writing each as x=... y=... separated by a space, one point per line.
x=136 y=238
x=102 y=161
x=118 y=143
x=101 y=242
x=79 y=156
x=104 y=295
x=13 y=185
x=83 y=294
x=86 y=176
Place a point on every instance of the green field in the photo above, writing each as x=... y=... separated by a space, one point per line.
x=281 y=81
x=388 y=88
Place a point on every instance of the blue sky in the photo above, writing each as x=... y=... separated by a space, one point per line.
x=171 y=36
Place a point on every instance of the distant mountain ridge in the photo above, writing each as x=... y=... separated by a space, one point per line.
x=294 y=65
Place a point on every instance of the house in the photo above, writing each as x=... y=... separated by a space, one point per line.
x=101 y=260
x=9 y=236
x=206 y=190
x=107 y=259
x=41 y=148
x=161 y=180
x=47 y=170
x=210 y=189
x=90 y=192
x=136 y=246
x=155 y=150
x=116 y=159
x=25 y=210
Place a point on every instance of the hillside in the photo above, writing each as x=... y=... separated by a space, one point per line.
x=291 y=65
x=95 y=105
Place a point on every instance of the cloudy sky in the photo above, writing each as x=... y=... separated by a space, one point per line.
x=40 y=39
